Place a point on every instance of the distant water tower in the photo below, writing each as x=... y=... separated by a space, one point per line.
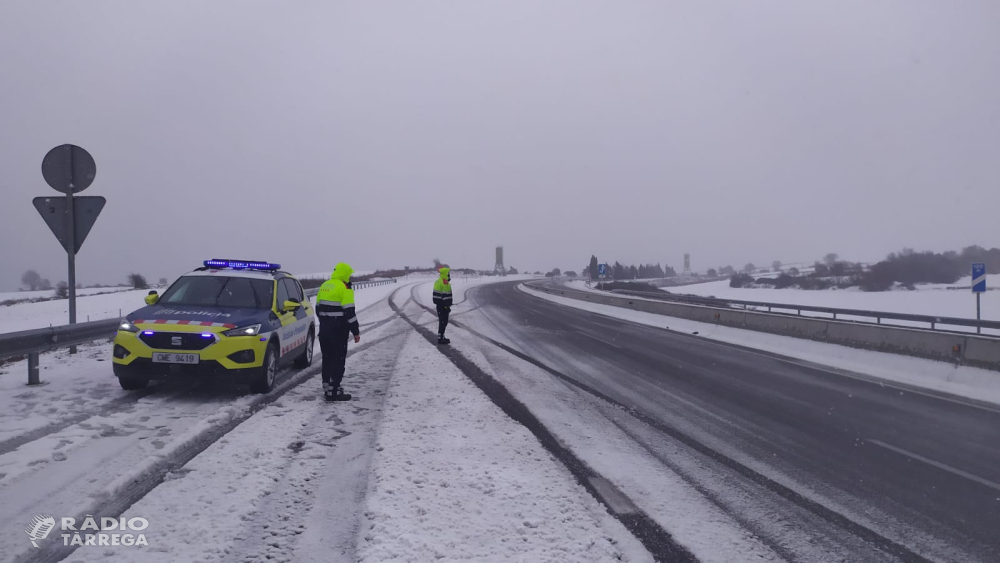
x=499 y=267
x=687 y=263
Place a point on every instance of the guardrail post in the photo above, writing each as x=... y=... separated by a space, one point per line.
x=33 y=378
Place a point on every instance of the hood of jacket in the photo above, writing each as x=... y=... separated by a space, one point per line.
x=341 y=272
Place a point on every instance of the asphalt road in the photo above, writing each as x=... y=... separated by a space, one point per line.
x=869 y=461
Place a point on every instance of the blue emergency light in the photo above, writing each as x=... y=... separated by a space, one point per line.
x=241 y=264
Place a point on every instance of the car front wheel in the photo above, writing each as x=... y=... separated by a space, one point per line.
x=263 y=380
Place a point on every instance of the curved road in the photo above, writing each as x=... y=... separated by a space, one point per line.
x=883 y=473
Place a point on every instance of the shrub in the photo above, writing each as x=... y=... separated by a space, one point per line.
x=783 y=281
x=62 y=290
x=740 y=280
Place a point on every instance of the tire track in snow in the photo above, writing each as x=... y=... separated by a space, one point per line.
x=119 y=496
x=653 y=537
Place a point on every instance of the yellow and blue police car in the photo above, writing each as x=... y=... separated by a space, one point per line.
x=230 y=317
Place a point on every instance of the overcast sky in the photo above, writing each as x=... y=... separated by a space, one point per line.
x=391 y=133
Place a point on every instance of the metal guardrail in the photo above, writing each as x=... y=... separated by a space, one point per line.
x=35 y=341
x=879 y=316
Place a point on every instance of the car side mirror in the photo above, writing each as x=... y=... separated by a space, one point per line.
x=152 y=298
x=291 y=305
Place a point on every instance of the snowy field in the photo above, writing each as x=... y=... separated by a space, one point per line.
x=928 y=299
x=25 y=316
x=963 y=381
x=18 y=295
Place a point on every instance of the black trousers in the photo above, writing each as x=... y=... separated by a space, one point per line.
x=333 y=343
x=443 y=312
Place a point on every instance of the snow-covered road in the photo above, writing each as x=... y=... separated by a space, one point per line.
x=420 y=466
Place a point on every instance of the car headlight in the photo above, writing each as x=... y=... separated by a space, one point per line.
x=127 y=326
x=251 y=330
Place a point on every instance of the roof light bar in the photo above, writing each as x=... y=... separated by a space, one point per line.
x=241 y=264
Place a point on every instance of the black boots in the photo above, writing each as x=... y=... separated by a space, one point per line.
x=443 y=340
x=330 y=397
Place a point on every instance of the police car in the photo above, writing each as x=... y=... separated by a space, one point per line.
x=229 y=317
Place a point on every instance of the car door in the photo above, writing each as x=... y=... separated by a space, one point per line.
x=295 y=323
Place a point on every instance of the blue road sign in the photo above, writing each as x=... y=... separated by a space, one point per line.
x=978 y=277
x=602 y=269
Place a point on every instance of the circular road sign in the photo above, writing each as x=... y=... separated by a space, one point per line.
x=69 y=169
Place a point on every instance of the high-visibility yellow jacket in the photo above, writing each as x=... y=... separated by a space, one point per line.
x=335 y=301
x=442 y=288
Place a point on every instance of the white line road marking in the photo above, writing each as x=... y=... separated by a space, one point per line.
x=599 y=340
x=937 y=464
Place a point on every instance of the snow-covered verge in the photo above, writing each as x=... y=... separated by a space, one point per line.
x=454 y=479
x=926 y=299
x=963 y=381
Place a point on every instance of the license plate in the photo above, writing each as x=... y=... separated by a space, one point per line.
x=171 y=358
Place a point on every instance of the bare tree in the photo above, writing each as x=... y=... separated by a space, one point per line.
x=831 y=258
x=776 y=265
x=138 y=281
x=31 y=280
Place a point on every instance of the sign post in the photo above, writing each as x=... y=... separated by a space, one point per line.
x=978 y=286
x=69 y=169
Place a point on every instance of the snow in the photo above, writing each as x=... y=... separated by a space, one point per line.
x=962 y=381
x=25 y=316
x=454 y=479
x=928 y=299
x=42 y=294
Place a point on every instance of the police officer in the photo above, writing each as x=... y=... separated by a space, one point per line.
x=337 y=321
x=442 y=300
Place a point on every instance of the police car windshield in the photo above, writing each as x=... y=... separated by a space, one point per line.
x=218 y=291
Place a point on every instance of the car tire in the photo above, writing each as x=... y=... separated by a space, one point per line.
x=263 y=380
x=128 y=380
x=133 y=383
x=306 y=359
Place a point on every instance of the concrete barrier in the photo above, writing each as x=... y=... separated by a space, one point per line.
x=980 y=351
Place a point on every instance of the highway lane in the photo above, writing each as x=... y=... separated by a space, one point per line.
x=919 y=470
